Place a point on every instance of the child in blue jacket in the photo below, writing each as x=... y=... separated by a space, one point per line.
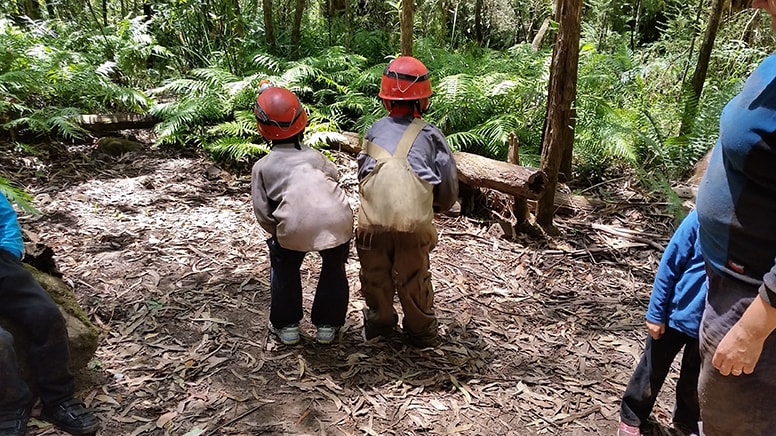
x=673 y=321
x=29 y=306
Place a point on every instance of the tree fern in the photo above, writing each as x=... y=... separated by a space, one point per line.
x=15 y=194
x=51 y=121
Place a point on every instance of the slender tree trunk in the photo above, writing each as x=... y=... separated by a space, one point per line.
x=296 y=31
x=269 y=29
x=31 y=9
x=348 y=25
x=520 y=205
x=478 y=21
x=105 y=13
x=701 y=68
x=558 y=133
x=635 y=29
x=52 y=12
x=406 y=18
x=536 y=44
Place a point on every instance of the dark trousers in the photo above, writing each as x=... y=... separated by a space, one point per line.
x=331 y=294
x=651 y=373
x=734 y=405
x=24 y=302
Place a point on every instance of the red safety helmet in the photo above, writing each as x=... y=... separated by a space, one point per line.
x=405 y=78
x=279 y=114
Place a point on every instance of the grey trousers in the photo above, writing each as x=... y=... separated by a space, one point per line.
x=731 y=405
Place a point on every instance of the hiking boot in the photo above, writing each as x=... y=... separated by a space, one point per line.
x=428 y=337
x=14 y=422
x=71 y=416
x=372 y=330
x=326 y=334
x=628 y=430
x=424 y=340
x=289 y=335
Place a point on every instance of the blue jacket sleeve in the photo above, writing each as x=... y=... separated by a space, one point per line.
x=10 y=231
x=673 y=264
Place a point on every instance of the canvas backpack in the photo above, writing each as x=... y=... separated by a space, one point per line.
x=393 y=197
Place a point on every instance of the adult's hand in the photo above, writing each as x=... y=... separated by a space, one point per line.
x=740 y=349
x=738 y=352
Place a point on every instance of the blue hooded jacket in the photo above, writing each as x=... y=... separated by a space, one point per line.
x=10 y=231
x=679 y=291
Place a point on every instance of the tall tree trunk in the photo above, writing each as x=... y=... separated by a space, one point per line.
x=296 y=31
x=52 y=12
x=31 y=8
x=269 y=29
x=558 y=133
x=105 y=13
x=405 y=19
x=348 y=25
x=478 y=21
x=701 y=68
x=635 y=28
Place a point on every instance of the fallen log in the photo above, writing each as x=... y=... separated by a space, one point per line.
x=510 y=179
x=114 y=122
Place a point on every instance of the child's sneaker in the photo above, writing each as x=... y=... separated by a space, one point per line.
x=289 y=335
x=628 y=430
x=326 y=334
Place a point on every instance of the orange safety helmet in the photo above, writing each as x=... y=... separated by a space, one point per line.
x=279 y=114
x=406 y=78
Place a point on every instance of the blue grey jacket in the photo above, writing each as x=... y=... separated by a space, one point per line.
x=679 y=291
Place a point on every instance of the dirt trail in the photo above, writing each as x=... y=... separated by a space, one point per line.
x=165 y=255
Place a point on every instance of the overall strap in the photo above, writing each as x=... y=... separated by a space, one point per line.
x=376 y=151
x=405 y=143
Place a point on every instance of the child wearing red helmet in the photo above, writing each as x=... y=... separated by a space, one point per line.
x=297 y=200
x=406 y=172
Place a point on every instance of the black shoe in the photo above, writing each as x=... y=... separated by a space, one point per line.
x=14 y=422
x=71 y=416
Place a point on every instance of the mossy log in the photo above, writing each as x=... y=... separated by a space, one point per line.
x=83 y=336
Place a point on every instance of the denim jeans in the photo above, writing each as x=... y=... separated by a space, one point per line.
x=330 y=303
x=651 y=373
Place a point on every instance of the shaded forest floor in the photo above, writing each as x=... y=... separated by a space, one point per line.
x=163 y=251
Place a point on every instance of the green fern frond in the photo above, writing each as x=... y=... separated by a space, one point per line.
x=236 y=148
x=268 y=63
x=244 y=125
x=16 y=194
x=215 y=77
x=464 y=141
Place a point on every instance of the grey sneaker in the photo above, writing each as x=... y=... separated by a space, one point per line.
x=326 y=334
x=289 y=335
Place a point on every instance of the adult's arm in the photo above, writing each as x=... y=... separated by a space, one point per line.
x=740 y=349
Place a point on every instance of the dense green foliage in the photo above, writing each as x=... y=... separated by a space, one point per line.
x=196 y=66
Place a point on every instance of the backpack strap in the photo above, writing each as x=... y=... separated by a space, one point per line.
x=405 y=143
